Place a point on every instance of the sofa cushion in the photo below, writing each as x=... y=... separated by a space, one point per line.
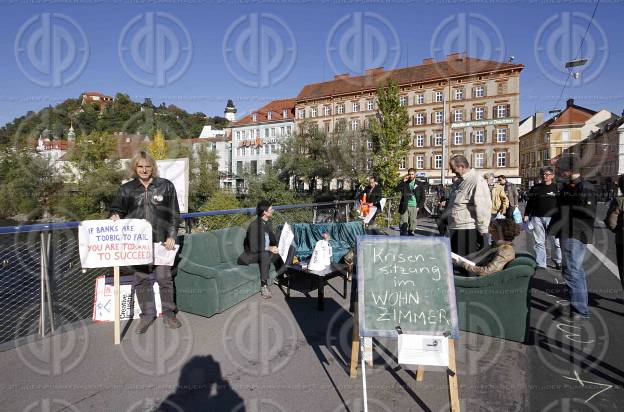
x=230 y=243
x=200 y=249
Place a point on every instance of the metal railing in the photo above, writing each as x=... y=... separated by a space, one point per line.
x=43 y=286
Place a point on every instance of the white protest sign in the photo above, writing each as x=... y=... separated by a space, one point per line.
x=107 y=243
x=177 y=171
x=103 y=300
x=423 y=350
x=286 y=239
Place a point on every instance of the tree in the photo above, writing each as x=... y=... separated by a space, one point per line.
x=389 y=135
x=204 y=177
x=268 y=186
x=221 y=200
x=158 y=147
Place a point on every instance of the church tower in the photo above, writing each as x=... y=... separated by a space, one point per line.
x=230 y=111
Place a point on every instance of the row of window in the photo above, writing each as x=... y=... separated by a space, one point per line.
x=268 y=132
x=257 y=150
x=459 y=137
x=500 y=111
x=478 y=160
x=254 y=116
x=251 y=166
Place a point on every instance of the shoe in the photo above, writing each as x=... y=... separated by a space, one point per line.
x=171 y=322
x=265 y=292
x=557 y=266
x=144 y=324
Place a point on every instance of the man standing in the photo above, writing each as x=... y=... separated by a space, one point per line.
x=469 y=209
x=373 y=196
x=512 y=194
x=500 y=202
x=261 y=246
x=573 y=224
x=540 y=207
x=412 y=198
x=154 y=199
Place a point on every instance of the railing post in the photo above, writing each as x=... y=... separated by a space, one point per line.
x=46 y=298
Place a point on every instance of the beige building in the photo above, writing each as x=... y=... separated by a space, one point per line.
x=467 y=105
x=549 y=139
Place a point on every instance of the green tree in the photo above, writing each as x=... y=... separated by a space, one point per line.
x=158 y=147
x=222 y=200
x=268 y=186
x=204 y=177
x=389 y=135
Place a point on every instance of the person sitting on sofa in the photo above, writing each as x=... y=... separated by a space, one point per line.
x=501 y=252
x=261 y=246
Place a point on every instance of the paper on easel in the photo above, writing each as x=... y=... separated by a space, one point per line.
x=423 y=350
x=459 y=258
x=164 y=256
x=286 y=239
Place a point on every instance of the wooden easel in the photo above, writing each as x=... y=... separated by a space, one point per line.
x=420 y=373
x=116 y=305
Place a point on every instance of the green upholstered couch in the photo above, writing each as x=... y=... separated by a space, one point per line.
x=497 y=305
x=209 y=279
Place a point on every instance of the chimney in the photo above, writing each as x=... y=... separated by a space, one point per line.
x=428 y=60
x=538 y=119
x=453 y=56
x=341 y=76
x=373 y=72
x=570 y=102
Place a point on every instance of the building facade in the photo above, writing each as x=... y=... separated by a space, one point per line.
x=541 y=145
x=257 y=138
x=461 y=105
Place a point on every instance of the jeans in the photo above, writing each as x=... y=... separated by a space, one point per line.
x=408 y=221
x=573 y=252
x=145 y=290
x=540 y=224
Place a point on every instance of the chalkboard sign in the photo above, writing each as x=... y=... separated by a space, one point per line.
x=406 y=282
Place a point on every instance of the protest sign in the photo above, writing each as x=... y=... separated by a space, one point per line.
x=103 y=300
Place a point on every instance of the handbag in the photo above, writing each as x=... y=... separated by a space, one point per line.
x=516 y=215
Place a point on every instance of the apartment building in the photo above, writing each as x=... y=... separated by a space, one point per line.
x=548 y=140
x=257 y=137
x=466 y=105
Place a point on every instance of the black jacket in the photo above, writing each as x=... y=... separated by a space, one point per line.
x=158 y=204
x=254 y=240
x=575 y=214
x=373 y=195
x=406 y=193
x=542 y=200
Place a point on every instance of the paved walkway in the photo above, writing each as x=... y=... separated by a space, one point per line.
x=284 y=355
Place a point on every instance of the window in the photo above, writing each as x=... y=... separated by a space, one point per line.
x=437 y=160
x=313 y=112
x=479 y=136
x=288 y=128
x=459 y=94
x=439 y=96
x=479 y=112
x=369 y=144
x=420 y=118
x=269 y=115
x=458 y=138
x=327 y=127
x=402 y=164
x=501 y=87
x=266 y=132
x=458 y=115
x=369 y=164
x=355 y=107
x=272 y=131
x=420 y=98
x=273 y=148
x=545 y=154
x=253 y=117
x=282 y=131
x=439 y=117
x=285 y=113
x=420 y=140
x=501 y=135
x=340 y=109
x=327 y=110
x=501 y=159
x=565 y=135
x=238 y=135
x=478 y=160
x=302 y=113
x=479 y=91
x=355 y=124
x=420 y=161
x=501 y=111
x=437 y=139
x=370 y=105
x=267 y=149
x=403 y=102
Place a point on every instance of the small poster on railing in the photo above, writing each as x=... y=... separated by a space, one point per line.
x=129 y=307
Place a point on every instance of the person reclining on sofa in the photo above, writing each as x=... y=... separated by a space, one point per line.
x=495 y=257
x=261 y=247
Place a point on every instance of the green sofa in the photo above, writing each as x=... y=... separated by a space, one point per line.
x=209 y=279
x=497 y=305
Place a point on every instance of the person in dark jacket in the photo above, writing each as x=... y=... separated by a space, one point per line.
x=540 y=207
x=573 y=223
x=412 y=199
x=373 y=196
x=154 y=199
x=615 y=222
x=512 y=195
x=260 y=246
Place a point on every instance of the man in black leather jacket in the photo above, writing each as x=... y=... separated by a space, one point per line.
x=154 y=199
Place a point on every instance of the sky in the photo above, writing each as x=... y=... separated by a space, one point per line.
x=197 y=54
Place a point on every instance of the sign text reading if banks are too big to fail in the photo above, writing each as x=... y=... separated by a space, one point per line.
x=107 y=243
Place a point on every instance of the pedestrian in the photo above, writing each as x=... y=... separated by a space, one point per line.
x=154 y=199
x=540 y=207
x=500 y=201
x=469 y=207
x=615 y=222
x=260 y=246
x=512 y=195
x=573 y=223
x=372 y=196
x=412 y=198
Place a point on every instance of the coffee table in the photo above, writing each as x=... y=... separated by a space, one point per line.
x=320 y=276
